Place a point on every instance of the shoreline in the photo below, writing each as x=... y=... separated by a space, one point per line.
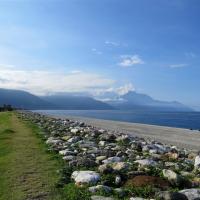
x=182 y=138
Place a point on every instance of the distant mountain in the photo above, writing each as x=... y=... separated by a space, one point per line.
x=26 y=100
x=22 y=99
x=74 y=102
x=68 y=101
x=133 y=100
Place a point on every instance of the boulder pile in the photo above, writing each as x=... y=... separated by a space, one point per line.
x=114 y=165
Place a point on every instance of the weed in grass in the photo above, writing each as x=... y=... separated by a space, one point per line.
x=144 y=192
x=72 y=192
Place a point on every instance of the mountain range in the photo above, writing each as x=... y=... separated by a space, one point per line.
x=67 y=101
x=133 y=100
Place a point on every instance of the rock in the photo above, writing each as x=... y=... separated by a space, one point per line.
x=66 y=152
x=118 y=180
x=191 y=194
x=123 y=138
x=102 y=143
x=83 y=162
x=112 y=160
x=74 y=130
x=108 y=137
x=146 y=162
x=100 y=158
x=89 y=177
x=173 y=177
x=65 y=138
x=170 y=164
x=192 y=155
x=167 y=195
x=119 y=166
x=74 y=139
x=197 y=162
x=52 y=140
x=100 y=188
x=101 y=198
x=172 y=155
x=68 y=158
x=105 y=168
x=120 y=192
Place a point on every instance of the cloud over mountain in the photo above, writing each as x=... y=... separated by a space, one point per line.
x=45 y=82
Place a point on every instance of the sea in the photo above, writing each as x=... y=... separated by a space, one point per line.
x=188 y=120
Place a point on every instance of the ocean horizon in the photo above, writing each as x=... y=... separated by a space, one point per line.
x=188 y=120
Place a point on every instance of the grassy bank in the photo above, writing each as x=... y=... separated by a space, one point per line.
x=27 y=171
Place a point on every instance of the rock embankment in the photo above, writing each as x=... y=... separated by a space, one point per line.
x=113 y=165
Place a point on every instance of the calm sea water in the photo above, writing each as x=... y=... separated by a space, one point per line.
x=189 y=120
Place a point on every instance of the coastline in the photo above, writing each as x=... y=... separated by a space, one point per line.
x=182 y=138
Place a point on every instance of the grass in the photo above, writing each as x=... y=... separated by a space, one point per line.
x=27 y=171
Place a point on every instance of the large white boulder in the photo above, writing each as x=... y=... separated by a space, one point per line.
x=89 y=177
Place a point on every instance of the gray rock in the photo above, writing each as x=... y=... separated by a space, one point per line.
x=120 y=192
x=52 y=140
x=197 y=162
x=112 y=160
x=173 y=177
x=146 y=162
x=99 y=188
x=118 y=180
x=68 y=158
x=74 y=130
x=105 y=168
x=101 y=198
x=66 y=152
x=191 y=194
x=74 y=139
x=119 y=166
x=167 y=195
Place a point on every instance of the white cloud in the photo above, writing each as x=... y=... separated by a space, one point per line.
x=94 y=50
x=113 y=93
x=4 y=67
x=125 y=89
x=130 y=60
x=190 y=55
x=44 y=82
x=75 y=72
x=111 y=43
x=178 y=65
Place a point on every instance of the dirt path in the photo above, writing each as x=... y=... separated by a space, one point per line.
x=27 y=172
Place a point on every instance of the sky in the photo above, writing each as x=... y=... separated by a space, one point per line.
x=99 y=46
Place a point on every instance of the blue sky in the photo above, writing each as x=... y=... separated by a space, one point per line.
x=150 y=46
